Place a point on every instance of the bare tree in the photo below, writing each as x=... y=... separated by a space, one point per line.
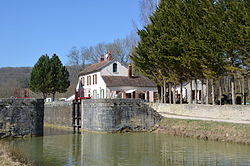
x=147 y=7
x=74 y=57
x=120 y=50
x=92 y=53
x=75 y=60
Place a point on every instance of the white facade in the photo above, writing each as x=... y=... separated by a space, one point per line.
x=95 y=87
x=121 y=70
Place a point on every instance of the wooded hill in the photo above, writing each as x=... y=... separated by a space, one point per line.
x=12 y=78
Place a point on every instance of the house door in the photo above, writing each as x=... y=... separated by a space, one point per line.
x=102 y=94
x=94 y=94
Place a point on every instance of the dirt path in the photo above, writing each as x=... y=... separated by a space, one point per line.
x=166 y=115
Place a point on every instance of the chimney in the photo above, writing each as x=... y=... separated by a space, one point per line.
x=109 y=56
x=130 y=71
x=101 y=58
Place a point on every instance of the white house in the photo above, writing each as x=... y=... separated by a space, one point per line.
x=110 y=79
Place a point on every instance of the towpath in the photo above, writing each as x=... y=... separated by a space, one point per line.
x=166 y=115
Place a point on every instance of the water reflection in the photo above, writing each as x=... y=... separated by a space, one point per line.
x=133 y=149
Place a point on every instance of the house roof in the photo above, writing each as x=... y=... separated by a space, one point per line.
x=135 y=81
x=95 y=67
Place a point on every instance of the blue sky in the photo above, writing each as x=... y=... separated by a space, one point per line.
x=30 y=28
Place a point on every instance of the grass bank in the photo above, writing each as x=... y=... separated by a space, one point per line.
x=10 y=157
x=208 y=130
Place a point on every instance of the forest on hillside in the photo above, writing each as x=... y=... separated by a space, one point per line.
x=13 y=79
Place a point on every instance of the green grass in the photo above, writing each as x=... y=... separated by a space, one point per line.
x=230 y=132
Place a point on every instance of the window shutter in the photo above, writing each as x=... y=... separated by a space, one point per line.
x=83 y=81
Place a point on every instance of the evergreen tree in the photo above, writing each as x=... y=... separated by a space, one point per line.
x=49 y=76
x=58 y=76
x=39 y=78
x=63 y=80
x=179 y=42
x=236 y=34
x=55 y=66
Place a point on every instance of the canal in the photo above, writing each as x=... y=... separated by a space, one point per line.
x=63 y=148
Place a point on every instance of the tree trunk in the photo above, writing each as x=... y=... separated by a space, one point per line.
x=53 y=96
x=174 y=96
x=195 y=92
x=212 y=82
x=158 y=96
x=248 y=86
x=181 y=96
x=220 y=94
x=191 y=91
x=202 y=94
x=233 y=95
x=164 y=91
x=207 y=92
x=169 y=92
x=161 y=94
x=243 y=91
x=44 y=96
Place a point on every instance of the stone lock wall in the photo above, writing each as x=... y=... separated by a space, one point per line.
x=58 y=113
x=21 y=117
x=110 y=115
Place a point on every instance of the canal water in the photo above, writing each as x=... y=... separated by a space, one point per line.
x=63 y=148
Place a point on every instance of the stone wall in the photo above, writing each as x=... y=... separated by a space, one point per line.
x=58 y=113
x=228 y=112
x=21 y=117
x=110 y=115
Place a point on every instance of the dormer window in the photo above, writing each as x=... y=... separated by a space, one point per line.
x=115 y=68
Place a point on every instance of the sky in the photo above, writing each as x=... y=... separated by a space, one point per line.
x=31 y=28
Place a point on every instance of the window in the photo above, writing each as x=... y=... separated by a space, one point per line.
x=115 y=67
x=82 y=81
x=95 y=78
x=88 y=80
x=81 y=85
